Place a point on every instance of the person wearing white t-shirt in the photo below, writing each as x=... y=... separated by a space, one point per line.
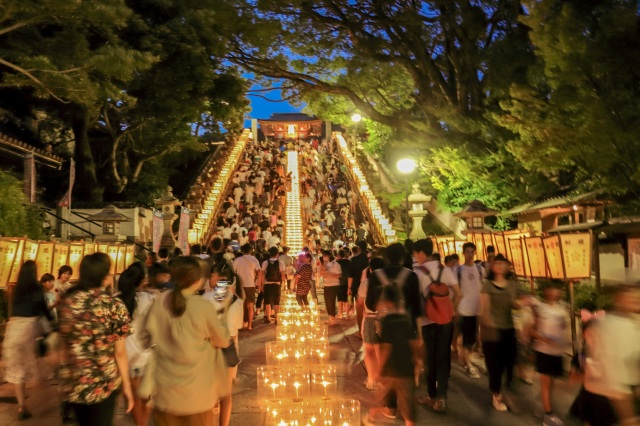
x=247 y=268
x=437 y=337
x=470 y=276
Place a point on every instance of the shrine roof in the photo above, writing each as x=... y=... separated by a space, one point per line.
x=290 y=117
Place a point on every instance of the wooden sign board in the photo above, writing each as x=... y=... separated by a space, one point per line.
x=121 y=263
x=130 y=256
x=576 y=255
x=553 y=254
x=536 y=257
x=13 y=278
x=76 y=253
x=60 y=257
x=102 y=248
x=44 y=259
x=517 y=257
x=112 y=252
x=501 y=246
x=89 y=248
x=30 y=250
x=487 y=239
x=8 y=252
x=479 y=242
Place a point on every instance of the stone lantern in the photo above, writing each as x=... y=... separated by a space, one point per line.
x=473 y=215
x=111 y=218
x=167 y=205
x=417 y=212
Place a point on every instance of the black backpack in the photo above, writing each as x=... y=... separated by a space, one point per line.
x=273 y=274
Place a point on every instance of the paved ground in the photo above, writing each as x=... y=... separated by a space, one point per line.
x=469 y=400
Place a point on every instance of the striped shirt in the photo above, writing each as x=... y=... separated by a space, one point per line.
x=304 y=279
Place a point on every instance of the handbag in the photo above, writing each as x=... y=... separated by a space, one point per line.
x=231 y=354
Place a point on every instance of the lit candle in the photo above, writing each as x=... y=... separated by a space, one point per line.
x=324 y=383
x=274 y=386
x=297 y=385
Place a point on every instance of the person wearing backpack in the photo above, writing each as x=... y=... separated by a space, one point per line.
x=437 y=284
x=470 y=277
x=274 y=274
x=407 y=282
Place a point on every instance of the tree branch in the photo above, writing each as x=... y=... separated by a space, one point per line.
x=33 y=78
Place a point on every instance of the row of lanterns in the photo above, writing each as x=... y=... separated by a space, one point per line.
x=298 y=385
x=380 y=221
x=206 y=218
x=294 y=234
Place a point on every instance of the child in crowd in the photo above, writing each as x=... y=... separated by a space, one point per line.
x=52 y=300
x=550 y=341
x=396 y=363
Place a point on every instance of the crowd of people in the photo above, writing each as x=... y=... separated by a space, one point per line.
x=168 y=331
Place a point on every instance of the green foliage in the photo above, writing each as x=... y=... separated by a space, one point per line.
x=132 y=82
x=586 y=296
x=18 y=219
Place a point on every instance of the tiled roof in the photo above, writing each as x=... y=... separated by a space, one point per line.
x=293 y=117
x=24 y=148
x=553 y=202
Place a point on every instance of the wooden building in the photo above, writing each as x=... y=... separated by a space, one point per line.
x=291 y=126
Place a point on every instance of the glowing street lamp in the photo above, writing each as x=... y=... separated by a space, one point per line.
x=406 y=166
x=356 y=118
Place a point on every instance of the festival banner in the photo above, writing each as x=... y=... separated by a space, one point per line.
x=576 y=254
x=8 y=250
x=44 y=259
x=60 y=257
x=112 y=252
x=102 y=248
x=76 y=253
x=158 y=229
x=535 y=254
x=17 y=264
x=517 y=258
x=183 y=231
x=459 y=250
x=478 y=241
x=553 y=254
x=66 y=200
x=451 y=247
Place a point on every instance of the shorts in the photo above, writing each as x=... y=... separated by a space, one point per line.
x=369 y=334
x=272 y=294
x=549 y=365
x=343 y=295
x=249 y=294
x=469 y=331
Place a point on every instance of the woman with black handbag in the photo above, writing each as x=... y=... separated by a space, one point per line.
x=23 y=333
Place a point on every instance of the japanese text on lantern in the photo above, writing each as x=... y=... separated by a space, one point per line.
x=535 y=252
x=553 y=254
x=8 y=251
x=516 y=257
x=576 y=251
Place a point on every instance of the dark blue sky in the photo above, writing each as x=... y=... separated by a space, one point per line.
x=263 y=108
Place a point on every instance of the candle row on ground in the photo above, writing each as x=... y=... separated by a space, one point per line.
x=296 y=383
x=313 y=413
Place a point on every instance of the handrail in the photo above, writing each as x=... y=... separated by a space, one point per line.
x=85 y=218
x=69 y=223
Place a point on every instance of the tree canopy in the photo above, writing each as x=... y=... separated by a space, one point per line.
x=502 y=99
x=126 y=82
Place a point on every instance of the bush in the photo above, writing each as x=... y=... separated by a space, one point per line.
x=18 y=218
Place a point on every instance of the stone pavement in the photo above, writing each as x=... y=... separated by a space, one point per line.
x=469 y=401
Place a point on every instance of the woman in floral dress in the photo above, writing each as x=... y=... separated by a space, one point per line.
x=93 y=326
x=19 y=346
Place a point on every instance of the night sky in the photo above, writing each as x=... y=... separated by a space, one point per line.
x=263 y=108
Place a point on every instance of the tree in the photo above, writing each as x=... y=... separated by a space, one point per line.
x=577 y=115
x=128 y=78
x=18 y=218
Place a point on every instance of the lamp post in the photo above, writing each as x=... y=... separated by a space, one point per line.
x=406 y=166
x=356 y=118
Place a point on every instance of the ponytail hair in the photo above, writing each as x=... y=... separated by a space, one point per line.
x=185 y=271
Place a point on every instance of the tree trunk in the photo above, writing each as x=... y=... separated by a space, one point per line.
x=88 y=186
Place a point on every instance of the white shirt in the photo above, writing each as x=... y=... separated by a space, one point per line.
x=273 y=241
x=447 y=277
x=136 y=353
x=553 y=323
x=470 y=285
x=266 y=234
x=235 y=312
x=246 y=267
